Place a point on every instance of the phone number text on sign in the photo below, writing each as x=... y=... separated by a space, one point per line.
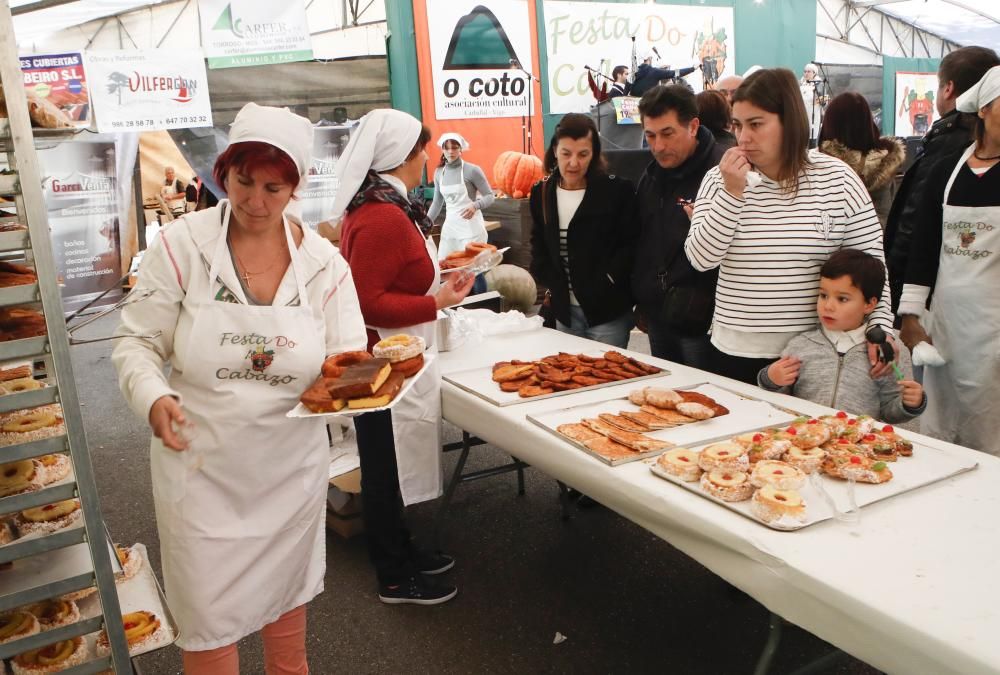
x=192 y=119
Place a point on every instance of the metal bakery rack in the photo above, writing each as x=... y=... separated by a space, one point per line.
x=33 y=246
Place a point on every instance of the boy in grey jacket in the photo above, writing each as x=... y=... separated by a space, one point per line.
x=830 y=365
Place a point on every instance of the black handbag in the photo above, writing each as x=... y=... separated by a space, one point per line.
x=685 y=309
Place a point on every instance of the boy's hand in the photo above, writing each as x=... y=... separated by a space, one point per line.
x=913 y=393
x=784 y=371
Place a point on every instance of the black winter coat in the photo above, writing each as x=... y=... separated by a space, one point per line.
x=660 y=261
x=600 y=239
x=647 y=77
x=948 y=135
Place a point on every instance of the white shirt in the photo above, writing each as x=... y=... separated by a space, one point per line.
x=843 y=340
x=567 y=202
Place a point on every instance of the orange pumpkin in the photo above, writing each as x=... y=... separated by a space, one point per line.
x=514 y=173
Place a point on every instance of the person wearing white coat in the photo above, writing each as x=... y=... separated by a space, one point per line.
x=244 y=303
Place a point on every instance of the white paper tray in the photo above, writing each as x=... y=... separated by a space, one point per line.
x=927 y=466
x=745 y=413
x=501 y=251
x=479 y=382
x=300 y=411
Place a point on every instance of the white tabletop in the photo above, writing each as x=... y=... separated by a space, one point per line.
x=908 y=589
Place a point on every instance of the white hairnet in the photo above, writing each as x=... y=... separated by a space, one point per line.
x=982 y=93
x=280 y=127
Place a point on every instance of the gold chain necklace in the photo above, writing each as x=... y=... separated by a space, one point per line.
x=246 y=272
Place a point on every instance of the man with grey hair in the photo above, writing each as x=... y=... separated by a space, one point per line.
x=171 y=194
x=727 y=85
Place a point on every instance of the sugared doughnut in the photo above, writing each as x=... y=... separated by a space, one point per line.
x=141 y=628
x=778 y=474
x=17 y=624
x=680 y=462
x=55 y=613
x=408 y=367
x=399 y=348
x=48 y=518
x=771 y=504
x=56 y=467
x=22 y=384
x=334 y=365
x=26 y=475
x=730 y=456
x=29 y=421
x=806 y=459
x=52 y=658
x=727 y=485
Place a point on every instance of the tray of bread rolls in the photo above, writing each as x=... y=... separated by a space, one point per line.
x=791 y=476
x=354 y=383
x=653 y=418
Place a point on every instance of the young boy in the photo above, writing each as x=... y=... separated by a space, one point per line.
x=830 y=365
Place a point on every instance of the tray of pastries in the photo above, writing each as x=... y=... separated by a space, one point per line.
x=809 y=470
x=475 y=257
x=357 y=382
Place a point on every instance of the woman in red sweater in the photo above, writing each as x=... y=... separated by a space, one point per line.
x=385 y=240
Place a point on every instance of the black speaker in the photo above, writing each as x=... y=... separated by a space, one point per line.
x=628 y=163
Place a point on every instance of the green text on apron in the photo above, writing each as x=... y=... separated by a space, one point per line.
x=242 y=535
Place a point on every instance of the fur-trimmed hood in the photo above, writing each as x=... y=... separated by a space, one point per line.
x=877 y=167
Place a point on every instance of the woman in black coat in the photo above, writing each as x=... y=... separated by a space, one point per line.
x=582 y=236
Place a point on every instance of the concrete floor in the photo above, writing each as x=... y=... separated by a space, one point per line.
x=626 y=600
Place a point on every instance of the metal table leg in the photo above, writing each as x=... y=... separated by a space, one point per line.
x=449 y=490
x=564 y=500
x=775 y=625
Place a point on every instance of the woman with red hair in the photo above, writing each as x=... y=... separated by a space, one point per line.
x=245 y=304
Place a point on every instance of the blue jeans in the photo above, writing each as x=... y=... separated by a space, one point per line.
x=614 y=332
x=689 y=350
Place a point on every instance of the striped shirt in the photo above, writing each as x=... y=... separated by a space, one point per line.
x=770 y=245
x=567 y=202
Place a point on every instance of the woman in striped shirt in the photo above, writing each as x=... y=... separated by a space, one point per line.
x=768 y=217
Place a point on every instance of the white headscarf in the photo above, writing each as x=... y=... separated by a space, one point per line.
x=982 y=93
x=380 y=142
x=452 y=136
x=280 y=127
x=751 y=70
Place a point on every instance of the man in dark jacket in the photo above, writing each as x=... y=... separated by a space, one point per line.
x=958 y=71
x=647 y=77
x=621 y=87
x=675 y=301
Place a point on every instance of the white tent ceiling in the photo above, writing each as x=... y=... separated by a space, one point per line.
x=967 y=22
x=34 y=25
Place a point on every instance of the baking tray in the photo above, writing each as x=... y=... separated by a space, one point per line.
x=745 y=413
x=300 y=411
x=927 y=466
x=479 y=382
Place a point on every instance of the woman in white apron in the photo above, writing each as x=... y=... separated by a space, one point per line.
x=244 y=304
x=464 y=191
x=384 y=238
x=955 y=251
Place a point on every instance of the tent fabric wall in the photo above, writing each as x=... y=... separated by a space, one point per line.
x=890 y=65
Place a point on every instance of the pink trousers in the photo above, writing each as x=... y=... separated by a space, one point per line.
x=284 y=650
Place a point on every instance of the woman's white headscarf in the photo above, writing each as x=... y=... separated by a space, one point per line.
x=452 y=136
x=982 y=93
x=380 y=142
x=290 y=133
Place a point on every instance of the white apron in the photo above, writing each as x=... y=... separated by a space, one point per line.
x=416 y=419
x=964 y=324
x=457 y=232
x=241 y=536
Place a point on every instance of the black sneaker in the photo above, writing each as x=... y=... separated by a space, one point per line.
x=417 y=590
x=433 y=563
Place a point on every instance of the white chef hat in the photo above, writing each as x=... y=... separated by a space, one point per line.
x=280 y=127
x=452 y=136
x=982 y=93
x=381 y=141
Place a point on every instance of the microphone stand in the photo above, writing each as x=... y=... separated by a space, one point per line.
x=526 y=145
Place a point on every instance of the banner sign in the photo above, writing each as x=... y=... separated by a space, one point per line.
x=59 y=79
x=316 y=197
x=253 y=33
x=627 y=109
x=600 y=35
x=478 y=48
x=147 y=90
x=81 y=197
x=914 y=109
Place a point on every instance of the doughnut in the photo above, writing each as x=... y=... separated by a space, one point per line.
x=48 y=518
x=29 y=421
x=131 y=561
x=408 y=367
x=142 y=629
x=879 y=447
x=334 y=365
x=399 y=348
x=34 y=424
x=697 y=411
x=808 y=433
x=727 y=485
x=680 y=462
x=728 y=456
x=55 y=613
x=55 y=467
x=777 y=474
x=17 y=624
x=807 y=460
x=22 y=384
x=771 y=504
x=52 y=658
x=26 y=475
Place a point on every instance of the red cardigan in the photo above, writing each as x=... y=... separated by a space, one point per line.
x=390 y=266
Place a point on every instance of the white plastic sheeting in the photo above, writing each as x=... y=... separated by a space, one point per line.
x=967 y=22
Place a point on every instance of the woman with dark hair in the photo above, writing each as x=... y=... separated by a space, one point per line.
x=849 y=134
x=768 y=217
x=715 y=114
x=245 y=303
x=953 y=267
x=582 y=236
x=385 y=239
x=462 y=190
